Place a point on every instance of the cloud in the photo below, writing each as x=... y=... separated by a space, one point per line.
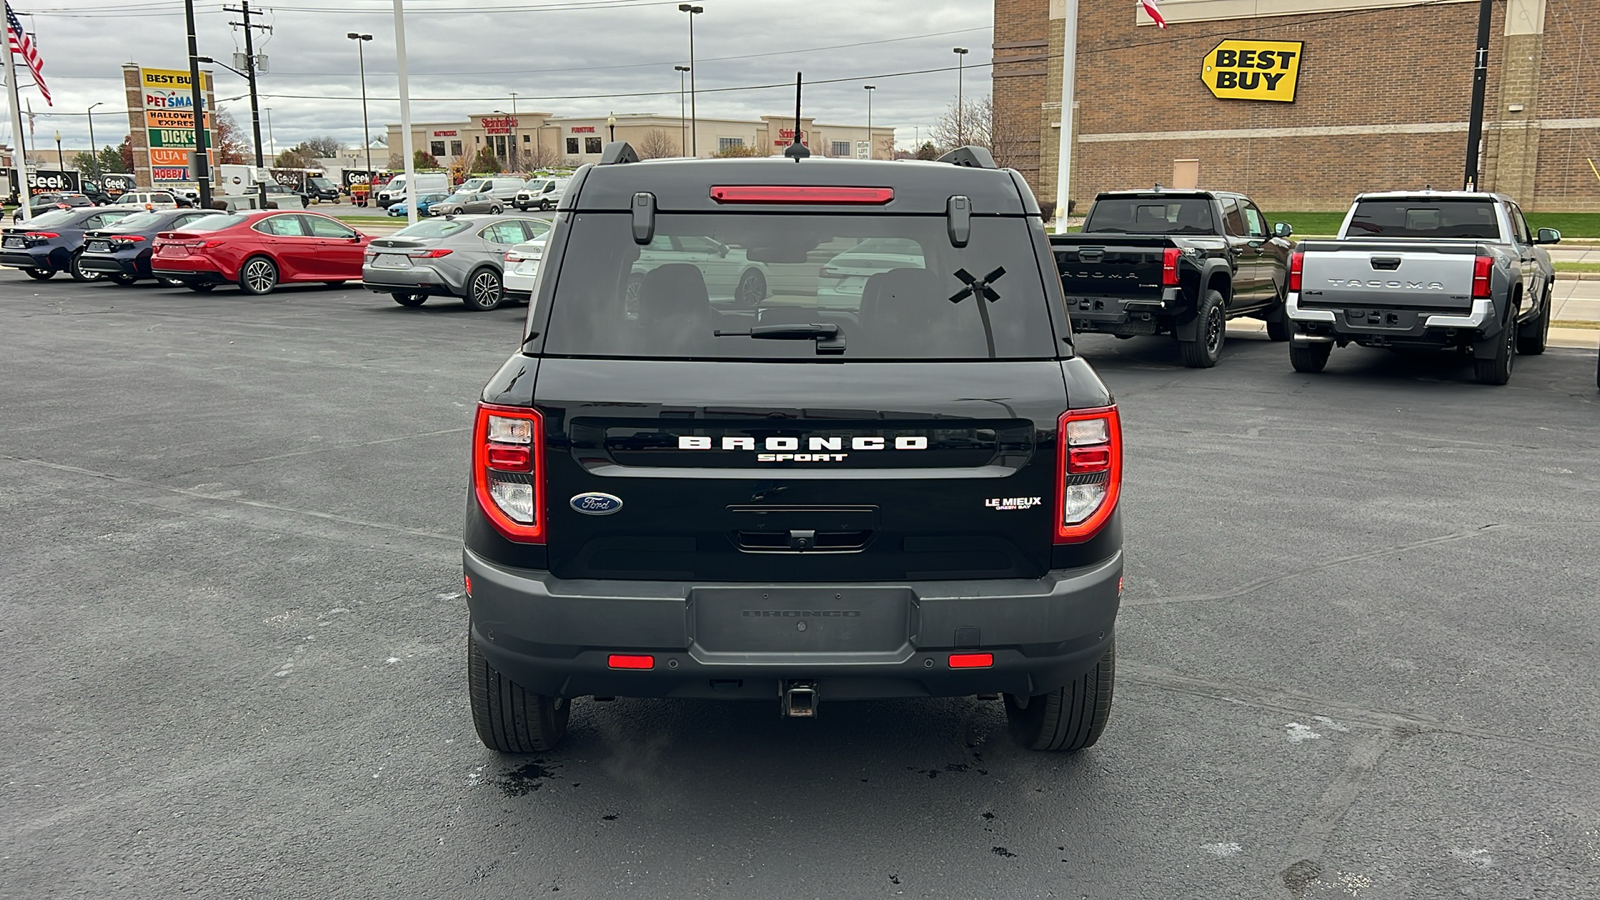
x=467 y=56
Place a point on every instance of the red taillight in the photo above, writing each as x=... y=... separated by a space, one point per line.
x=846 y=196
x=1089 y=472
x=127 y=238
x=1169 y=267
x=428 y=254
x=971 y=660
x=630 y=661
x=1297 y=266
x=1481 y=270
x=42 y=235
x=508 y=470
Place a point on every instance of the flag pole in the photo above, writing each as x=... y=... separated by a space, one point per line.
x=1069 y=76
x=19 y=159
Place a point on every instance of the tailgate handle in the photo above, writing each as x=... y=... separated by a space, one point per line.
x=1386 y=263
x=1091 y=254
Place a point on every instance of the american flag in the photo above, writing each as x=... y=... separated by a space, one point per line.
x=22 y=45
x=1151 y=11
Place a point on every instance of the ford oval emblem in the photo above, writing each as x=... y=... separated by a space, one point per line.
x=596 y=504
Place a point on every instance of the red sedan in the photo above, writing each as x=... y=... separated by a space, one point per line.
x=259 y=251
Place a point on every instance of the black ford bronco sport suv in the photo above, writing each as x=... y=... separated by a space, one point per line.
x=881 y=472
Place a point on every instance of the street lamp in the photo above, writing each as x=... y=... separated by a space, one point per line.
x=611 y=123
x=361 y=57
x=961 y=62
x=61 y=161
x=683 y=121
x=872 y=150
x=694 y=114
x=516 y=150
x=94 y=152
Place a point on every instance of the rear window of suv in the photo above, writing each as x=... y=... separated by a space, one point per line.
x=894 y=287
x=1424 y=218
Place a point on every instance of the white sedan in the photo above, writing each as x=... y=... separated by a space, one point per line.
x=521 y=269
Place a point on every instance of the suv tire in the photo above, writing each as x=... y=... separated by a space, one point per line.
x=1279 y=328
x=484 y=291
x=507 y=717
x=1210 y=333
x=1070 y=717
x=1310 y=358
x=1532 y=337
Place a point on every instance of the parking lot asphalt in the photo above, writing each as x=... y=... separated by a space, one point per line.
x=1357 y=654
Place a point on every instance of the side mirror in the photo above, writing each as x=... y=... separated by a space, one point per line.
x=1283 y=230
x=1548 y=236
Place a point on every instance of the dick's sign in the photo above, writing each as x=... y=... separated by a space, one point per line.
x=1253 y=70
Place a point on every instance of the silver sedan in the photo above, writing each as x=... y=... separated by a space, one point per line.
x=454 y=256
x=460 y=204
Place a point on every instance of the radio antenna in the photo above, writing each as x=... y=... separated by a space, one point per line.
x=796 y=150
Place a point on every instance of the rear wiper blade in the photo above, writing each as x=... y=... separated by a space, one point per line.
x=827 y=336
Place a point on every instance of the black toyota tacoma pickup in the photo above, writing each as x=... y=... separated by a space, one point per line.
x=1175 y=262
x=901 y=483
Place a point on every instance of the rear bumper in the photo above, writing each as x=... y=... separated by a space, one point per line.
x=28 y=259
x=1380 y=324
x=1124 y=315
x=189 y=270
x=416 y=278
x=554 y=637
x=133 y=264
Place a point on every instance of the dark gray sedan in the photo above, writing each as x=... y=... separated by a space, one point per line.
x=459 y=204
x=454 y=256
x=121 y=251
x=53 y=242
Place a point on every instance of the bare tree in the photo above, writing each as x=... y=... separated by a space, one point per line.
x=657 y=144
x=540 y=157
x=980 y=123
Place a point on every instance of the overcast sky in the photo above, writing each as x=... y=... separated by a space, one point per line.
x=467 y=56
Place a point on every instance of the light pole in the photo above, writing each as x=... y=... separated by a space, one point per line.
x=202 y=150
x=683 y=119
x=94 y=152
x=516 y=149
x=61 y=161
x=694 y=113
x=611 y=123
x=249 y=75
x=961 y=108
x=361 y=58
x=872 y=149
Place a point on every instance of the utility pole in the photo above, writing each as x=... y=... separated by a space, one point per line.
x=872 y=147
x=1480 y=85
x=243 y=9
x=202 y=161
x=516 y=149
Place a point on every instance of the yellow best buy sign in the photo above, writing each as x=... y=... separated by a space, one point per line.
x=1253 y=70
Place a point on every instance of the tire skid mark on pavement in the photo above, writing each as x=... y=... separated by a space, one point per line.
x=1400 y=725
x=1322 y=821
x=1253 y=586
x=210 y=498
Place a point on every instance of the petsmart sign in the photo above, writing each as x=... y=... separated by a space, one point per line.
x=1253 y=70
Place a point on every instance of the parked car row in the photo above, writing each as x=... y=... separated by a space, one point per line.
x=449 y=256
x=1435 y=270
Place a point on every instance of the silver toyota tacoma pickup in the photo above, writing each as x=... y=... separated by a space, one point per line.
x=1427 y=270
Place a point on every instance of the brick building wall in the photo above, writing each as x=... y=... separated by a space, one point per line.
x=1382 y=103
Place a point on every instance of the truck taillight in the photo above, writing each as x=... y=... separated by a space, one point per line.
x=1297 y=267
x=508 y=470
x=1169 y=267
x=1089 y=472
x=1481 y=270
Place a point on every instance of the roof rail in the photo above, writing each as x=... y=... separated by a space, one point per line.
x=618 y=152
x=971 y=156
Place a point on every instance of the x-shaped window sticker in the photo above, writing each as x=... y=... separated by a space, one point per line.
x=976 y=287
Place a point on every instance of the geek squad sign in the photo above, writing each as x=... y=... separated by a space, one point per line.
x=1253 y=70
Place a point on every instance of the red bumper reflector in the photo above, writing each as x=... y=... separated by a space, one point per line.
x=971 y=660
x=468 y=580
x=624 y=661
x=847 y=196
